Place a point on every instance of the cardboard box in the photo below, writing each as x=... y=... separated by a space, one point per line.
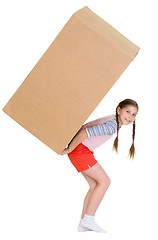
x=71 y=78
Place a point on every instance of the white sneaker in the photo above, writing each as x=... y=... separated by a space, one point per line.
x=92 y=226
x=82 y=229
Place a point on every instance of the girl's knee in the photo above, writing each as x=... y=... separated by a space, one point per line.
x=105 y=182
x=108 y=182
x=98 y=175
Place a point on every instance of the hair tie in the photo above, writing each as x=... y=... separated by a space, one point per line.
x=133 y=141
x=117 y=134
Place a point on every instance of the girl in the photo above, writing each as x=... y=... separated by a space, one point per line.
x=81 y=155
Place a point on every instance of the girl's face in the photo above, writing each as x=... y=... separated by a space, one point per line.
x=127 y=114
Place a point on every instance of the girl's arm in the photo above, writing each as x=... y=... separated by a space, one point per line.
x=80 y=137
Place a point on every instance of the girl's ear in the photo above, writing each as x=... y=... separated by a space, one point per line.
x=118 y=110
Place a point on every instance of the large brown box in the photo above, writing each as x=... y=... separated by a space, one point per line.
x=71 y=78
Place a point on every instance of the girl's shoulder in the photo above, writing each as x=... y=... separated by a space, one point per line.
x=98 y=121
x=109 y=117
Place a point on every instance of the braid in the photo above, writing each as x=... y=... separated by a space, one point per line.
x=115 y=145
x=132 y=148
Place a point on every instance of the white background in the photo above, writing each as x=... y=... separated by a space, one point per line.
x=41 y=193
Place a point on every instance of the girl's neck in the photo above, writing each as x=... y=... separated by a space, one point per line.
x=120 y=123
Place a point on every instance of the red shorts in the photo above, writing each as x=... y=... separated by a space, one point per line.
x=82 y=158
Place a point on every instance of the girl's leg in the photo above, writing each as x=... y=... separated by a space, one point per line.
x=92 y=184
x=95 y=197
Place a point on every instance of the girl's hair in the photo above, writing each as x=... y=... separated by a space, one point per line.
x=123 y=104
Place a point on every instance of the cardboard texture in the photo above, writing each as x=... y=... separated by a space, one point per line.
x=71 y=78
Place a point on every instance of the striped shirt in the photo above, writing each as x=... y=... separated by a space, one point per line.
x=99 y=131
x=107 y=128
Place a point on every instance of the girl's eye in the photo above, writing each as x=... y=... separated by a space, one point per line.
x=134 y=115
x=127 y=111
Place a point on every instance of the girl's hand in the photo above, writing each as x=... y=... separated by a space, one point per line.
x=78 y=138
x=66 y=151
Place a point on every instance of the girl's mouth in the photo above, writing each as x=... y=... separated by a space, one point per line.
x=127 y=120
